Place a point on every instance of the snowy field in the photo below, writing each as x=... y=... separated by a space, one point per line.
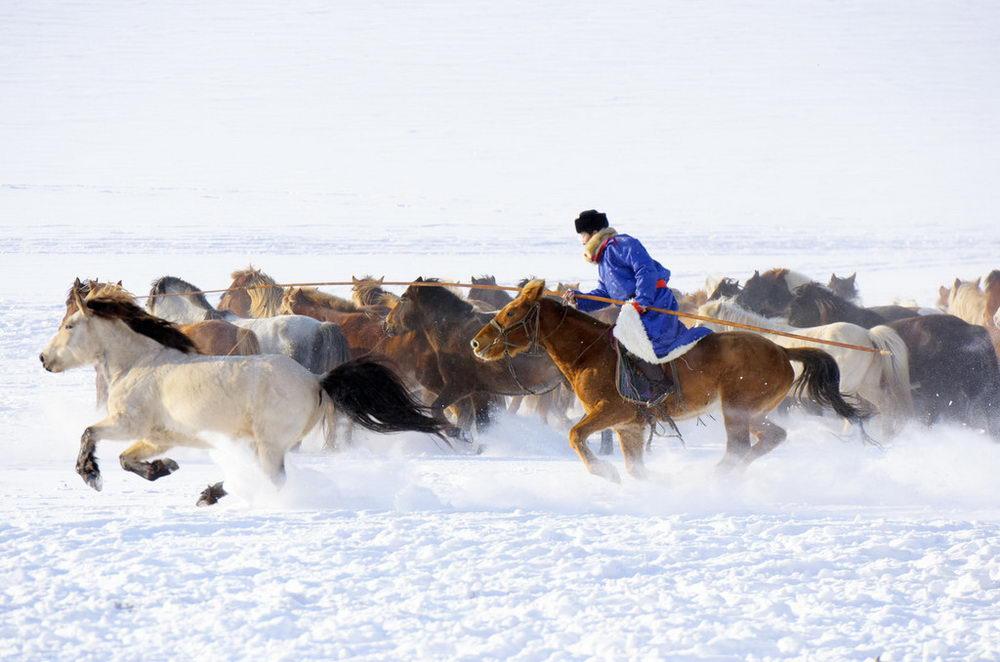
x=318 y=141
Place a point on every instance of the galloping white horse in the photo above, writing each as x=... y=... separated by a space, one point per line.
x=883 y=380
x=319 y=346
x=163 y=394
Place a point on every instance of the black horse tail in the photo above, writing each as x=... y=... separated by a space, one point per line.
x=375 y=398
x=820 y=383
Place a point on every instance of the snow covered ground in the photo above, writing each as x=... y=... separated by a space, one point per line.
x=321 y=140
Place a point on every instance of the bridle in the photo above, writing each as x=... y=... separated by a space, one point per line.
x=530 y=323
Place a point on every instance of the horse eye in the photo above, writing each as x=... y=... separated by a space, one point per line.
x=69 y=326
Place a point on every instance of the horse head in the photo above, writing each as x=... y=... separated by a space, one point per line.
x=766 y=294
x=809 y=305
x=512 y=330
x=844 y=287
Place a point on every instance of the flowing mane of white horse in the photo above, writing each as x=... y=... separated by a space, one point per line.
x=319 y=346
x=881 y=379
x=164 y=395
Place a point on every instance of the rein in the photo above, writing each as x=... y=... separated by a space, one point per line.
x=530 y=324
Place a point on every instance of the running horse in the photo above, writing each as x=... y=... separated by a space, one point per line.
x=747 y=373
x=445 y=323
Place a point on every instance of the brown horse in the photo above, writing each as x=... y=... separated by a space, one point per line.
x=367 y=292
x=364 y=328
x=747 y=373
x=447 y=323
x=252 y=294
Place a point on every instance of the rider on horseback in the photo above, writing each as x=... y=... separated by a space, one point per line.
x=626 y=271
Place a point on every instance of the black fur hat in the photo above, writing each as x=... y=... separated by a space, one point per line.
x=591 y=221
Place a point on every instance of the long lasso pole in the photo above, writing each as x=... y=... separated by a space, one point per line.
x=508 y=288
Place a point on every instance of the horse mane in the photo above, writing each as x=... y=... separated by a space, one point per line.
x=264 y=292
x=141 y=322
x=731 y=311
x=992 y=287
x=165 y=284
x=317 y=298
x=442 y=299
x=793 y=279
x=367 y=291
x=723 y=287
x=824 y=299
x=968 y=302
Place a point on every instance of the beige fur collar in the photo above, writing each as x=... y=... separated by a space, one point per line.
x=594 y=243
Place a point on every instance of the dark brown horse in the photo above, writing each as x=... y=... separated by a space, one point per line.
x=814 y=305
x=447 y=323
x=769 y=293
x=845 y=288
x=747 y=373
x=954 y=371
x=409 y=354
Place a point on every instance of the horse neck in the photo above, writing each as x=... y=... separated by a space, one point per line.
x=567 y=334
x=120 y=350
x=179 y=309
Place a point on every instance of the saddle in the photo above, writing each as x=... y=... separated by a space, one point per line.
x=642 y=382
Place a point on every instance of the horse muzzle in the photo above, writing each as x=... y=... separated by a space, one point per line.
x=46 y=364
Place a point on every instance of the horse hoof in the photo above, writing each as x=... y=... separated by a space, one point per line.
x=211 y=495
x=93 y=478
x=606 y=470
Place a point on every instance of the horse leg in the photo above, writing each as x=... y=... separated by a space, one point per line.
x=133 y=459
x=737 y=423
x=211 y=495
x=607 y=443
x=598 y=418
x=445 y=398
x=632 y=444
x=483 y=410
x=515 y=404
x=768 y=434
x=271 y=460
x=111 y=427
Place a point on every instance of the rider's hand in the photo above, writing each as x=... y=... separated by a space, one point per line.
x=569 y=298
x=639 y=308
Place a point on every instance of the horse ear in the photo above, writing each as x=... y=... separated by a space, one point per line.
x=354 y=280
x=119 y=283
x=957 y=284
x=81 y=305
x=419 y=279
x=850 y=279
x=381 y=280
x=533 y=290
x=756 y=273
x=977 y=282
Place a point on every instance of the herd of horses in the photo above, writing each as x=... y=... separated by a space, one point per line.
x=434 y=361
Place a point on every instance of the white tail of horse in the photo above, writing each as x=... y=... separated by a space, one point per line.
x=894 y=365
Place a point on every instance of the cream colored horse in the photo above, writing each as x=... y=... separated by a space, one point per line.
x=165 y=395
